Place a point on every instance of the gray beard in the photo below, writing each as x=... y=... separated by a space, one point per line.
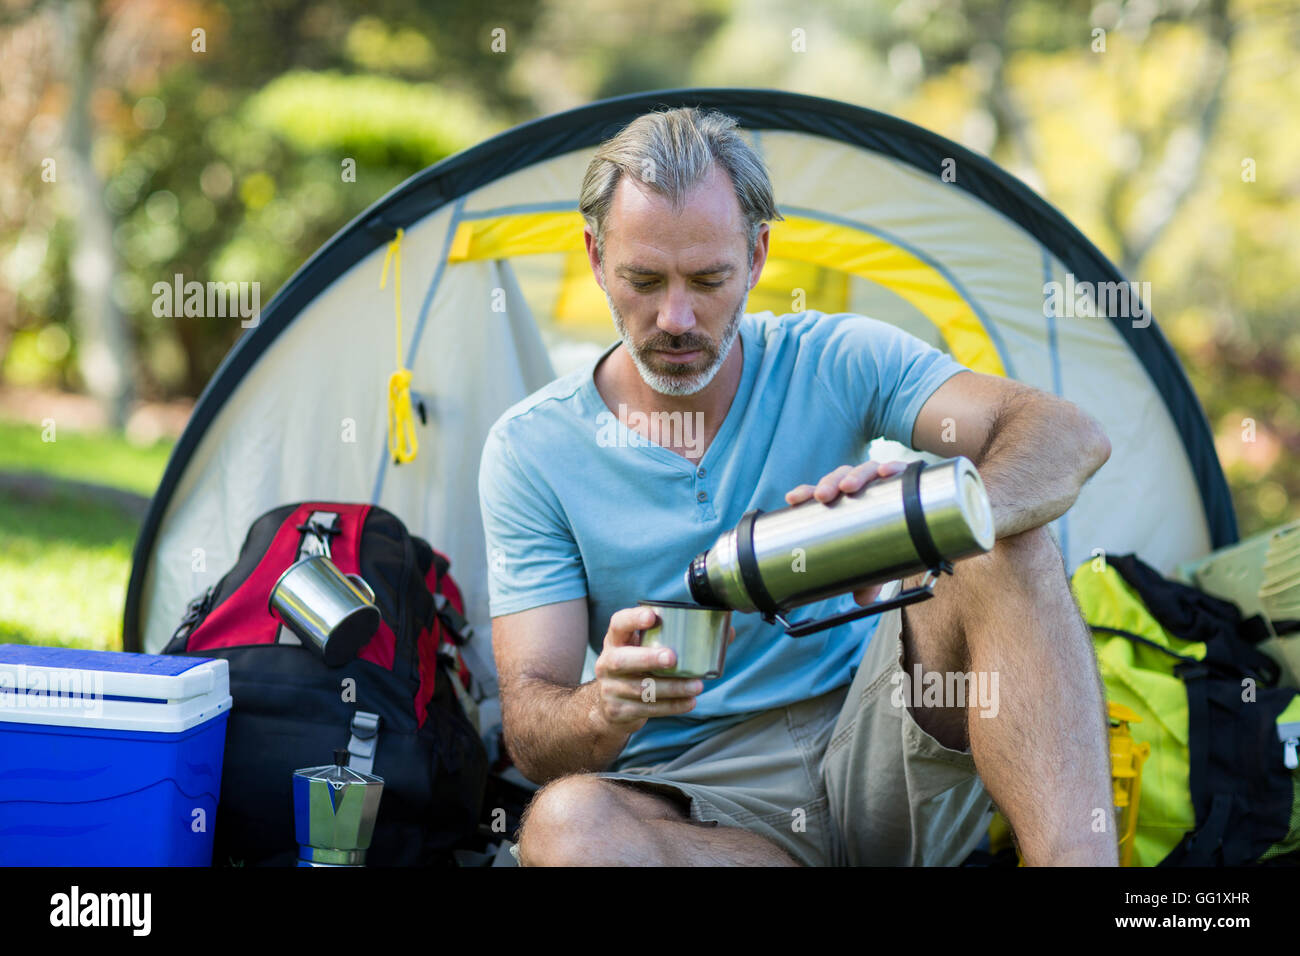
x=679 y=384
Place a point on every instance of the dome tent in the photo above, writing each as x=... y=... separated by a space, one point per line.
x=882 y=218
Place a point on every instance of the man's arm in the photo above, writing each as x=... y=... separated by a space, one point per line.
x=1034 y=451
x=546 y=714
x=553 y=725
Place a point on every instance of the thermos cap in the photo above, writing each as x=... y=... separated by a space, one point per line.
x=973 y=500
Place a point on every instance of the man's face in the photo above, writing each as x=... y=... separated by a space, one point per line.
x=677 y=282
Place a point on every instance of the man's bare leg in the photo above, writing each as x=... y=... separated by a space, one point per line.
x=584 y=820
x=1045 y=756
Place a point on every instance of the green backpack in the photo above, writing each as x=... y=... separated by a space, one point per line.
x=1220 y=785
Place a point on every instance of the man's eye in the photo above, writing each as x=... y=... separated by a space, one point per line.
x=644 y=284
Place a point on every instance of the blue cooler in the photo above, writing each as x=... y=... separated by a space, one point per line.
x=109 y=759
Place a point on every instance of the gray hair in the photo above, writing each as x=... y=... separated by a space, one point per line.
x=670 y=152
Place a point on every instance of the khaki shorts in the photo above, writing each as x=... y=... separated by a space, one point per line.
x=844 y=779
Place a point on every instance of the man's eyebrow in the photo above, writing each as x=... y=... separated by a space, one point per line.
x=718 y=268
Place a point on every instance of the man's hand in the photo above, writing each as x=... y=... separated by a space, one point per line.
x=629 y=693
x=847 y=479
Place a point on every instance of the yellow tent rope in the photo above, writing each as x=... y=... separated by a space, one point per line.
x=402 y=443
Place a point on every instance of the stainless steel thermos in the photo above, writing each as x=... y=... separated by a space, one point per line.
x=919 y=520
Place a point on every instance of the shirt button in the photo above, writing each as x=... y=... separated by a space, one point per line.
x=703 y=496
x=700 y=473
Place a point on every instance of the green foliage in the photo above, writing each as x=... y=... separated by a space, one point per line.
x=42 y=350
x=375 y=120
x=371 y=45
x=247 y=194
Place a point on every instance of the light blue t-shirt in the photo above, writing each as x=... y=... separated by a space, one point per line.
x=577 y=505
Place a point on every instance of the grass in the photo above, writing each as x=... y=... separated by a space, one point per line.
x=65 y=558
x=100 y=457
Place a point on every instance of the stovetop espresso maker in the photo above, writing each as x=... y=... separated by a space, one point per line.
x=334 y=811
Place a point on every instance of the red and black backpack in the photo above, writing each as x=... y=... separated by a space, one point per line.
x=399 y=707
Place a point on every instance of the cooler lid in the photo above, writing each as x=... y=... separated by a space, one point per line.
x=110 y=690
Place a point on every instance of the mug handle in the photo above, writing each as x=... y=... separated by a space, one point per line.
x=365 y=588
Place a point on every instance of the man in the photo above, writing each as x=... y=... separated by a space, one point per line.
x=802 y=752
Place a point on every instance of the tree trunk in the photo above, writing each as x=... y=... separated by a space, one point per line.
x=104 y=346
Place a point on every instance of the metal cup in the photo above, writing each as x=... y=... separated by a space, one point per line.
x=698 y=636
x=329 y=610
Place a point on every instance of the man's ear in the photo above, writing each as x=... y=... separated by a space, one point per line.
x=593 y=257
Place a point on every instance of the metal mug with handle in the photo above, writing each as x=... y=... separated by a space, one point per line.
x=329 y=610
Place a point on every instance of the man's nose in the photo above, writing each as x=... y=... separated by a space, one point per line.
x=676 y=317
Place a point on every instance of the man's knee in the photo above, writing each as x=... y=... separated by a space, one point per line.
x=560 y=818
x=568 y=819
x=1021 y=569
x=1034 y=549
x=1027 y=563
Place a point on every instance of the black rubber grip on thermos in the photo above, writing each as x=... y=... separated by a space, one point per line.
x=915 y=517
x=748 y=562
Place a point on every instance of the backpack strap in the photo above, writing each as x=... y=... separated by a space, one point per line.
x=195 y=612
x=1198 y=768
x=462 y=631
x=315 y=533
x=1204 y=845
x=461 y=648
x=364 y=741
x=1139 y=639
x=1201 y=846
x=467 y=701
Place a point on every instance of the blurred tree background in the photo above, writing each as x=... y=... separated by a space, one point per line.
x=140 y=139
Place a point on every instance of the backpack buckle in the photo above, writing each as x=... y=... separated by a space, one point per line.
x=194 y=612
